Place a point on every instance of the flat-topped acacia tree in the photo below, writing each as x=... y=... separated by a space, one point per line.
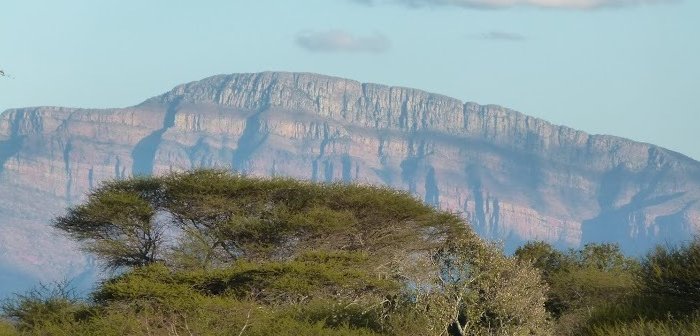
x=396 y=265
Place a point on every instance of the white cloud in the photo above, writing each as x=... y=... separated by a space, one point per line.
x=341 y=41
x=498 y=35
x=567 y=4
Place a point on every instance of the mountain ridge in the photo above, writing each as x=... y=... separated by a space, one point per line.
x=164 y=99
x=513 y=176
x=159 y=98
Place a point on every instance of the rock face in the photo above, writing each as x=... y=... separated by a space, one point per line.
x=514 y=177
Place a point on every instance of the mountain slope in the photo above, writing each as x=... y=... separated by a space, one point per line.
x=513 y=176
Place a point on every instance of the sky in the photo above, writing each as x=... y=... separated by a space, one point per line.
x=622 y=67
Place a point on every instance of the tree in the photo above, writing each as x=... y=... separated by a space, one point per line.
x=673 y=274
x=483 y=293
x=580 y=280
x=343 y=255
x=118 y=224
x=56 y=303
x=603 y=257
x=543 y=256
x=666 y=298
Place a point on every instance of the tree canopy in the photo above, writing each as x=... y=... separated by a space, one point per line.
x=345 y=259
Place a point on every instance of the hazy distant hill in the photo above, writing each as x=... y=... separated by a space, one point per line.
x=513 y=176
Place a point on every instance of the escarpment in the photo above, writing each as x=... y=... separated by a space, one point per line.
x=514 y=177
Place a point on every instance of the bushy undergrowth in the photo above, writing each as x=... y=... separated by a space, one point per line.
x=7 y=329
x=649 y=327
x=599 y=291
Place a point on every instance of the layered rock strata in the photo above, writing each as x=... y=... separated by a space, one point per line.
x=514 y=177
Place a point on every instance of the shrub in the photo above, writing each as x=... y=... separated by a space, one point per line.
x=646 y=327
x=674 y=273
x=45 y=305
x=7 y=329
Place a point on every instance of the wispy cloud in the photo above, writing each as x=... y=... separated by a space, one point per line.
x=495 y=4
x=341 y=41
x=497 y=35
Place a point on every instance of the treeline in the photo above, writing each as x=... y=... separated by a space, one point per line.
x=597 y=290
x=213 y=253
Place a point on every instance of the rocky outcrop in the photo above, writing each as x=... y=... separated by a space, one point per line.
x=514 y=177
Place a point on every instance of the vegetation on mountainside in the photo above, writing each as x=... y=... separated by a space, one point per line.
x=212 y=253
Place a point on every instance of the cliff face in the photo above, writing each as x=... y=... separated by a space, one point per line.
x=514 y=177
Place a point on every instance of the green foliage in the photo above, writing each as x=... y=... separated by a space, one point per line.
x=646 y=327
x=312 y=276
x=117 y=226
x=598 y=291
x=7 y=329
x=45 y=305
x=604 y=257
x=209 y=252
x=544 y=257
x=668 y=283
x=581 y=282
x=218 y=217
x=578 y=293
x=674 y=273
x=477 y=292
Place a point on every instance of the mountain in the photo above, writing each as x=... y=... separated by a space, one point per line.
x=514 y=177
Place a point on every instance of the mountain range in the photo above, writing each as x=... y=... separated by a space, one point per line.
x=514 y=177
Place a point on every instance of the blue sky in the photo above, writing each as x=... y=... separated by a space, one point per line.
x=622 y=67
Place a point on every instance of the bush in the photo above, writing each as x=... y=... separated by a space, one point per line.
x=582 y=282
x=45 y=305
x=658 y=296
x=674 y=273
x=646 y=327
x=7 y=329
